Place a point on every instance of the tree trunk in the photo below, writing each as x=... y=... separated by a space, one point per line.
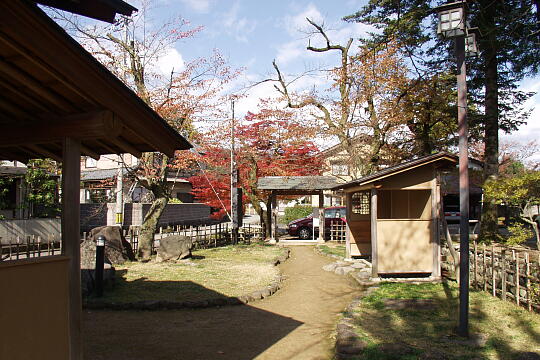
x=488 y=229
x=148 y=228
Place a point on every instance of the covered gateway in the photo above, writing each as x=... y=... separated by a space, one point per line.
x=393 y=217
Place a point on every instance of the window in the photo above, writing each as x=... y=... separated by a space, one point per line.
x=340 y=169
x=330 y=213
x=404 y=204
x=90 y=162
x=360 y=203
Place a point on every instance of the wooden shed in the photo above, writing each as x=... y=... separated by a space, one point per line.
x=393 y=217
x=57 y=101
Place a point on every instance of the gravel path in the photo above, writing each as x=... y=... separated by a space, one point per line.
x=294 y=323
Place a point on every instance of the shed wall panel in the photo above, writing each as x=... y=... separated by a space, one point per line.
x=34 y=314
x=405 y=246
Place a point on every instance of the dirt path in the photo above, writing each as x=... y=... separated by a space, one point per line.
x=295 y=323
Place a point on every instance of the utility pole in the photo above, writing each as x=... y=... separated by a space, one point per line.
x=234 y=184
x=119 y=208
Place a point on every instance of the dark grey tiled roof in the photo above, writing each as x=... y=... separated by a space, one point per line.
x=398 y=168
x=100 y=174
x=12 y=171
x=296 y=183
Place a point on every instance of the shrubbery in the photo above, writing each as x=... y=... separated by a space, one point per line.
x=296 y=212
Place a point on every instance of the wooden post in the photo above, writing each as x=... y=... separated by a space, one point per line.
x=273 y=219
x=435 y=223
x=374 y=255
x=348 y=229
x=528 y=281
x=517 y=275
x=484 y=268
x=475 y=257
x=71 y=178
x=493 y=278
x=321 y=218
x=503 y=274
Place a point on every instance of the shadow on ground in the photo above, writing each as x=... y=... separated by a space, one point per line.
x=230 y=332
x=425 y=326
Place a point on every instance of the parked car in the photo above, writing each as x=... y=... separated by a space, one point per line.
x=452 y=214
x=303 y=228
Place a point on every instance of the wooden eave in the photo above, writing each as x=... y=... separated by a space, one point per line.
x=104 y=10
x=442 y=159
x=51 y=88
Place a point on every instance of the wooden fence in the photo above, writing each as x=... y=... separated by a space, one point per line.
x=31 y=247
x=338 y=231
x=509 y=274
x=203 y=236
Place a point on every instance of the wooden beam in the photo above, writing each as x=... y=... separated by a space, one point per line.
x=42 y=151
x=71 y=177
x=93 y=125
x=89 y=152
x=126 y=147
x=13 y=109
x=23 y=95
x=8 y=155
x=36 y=60
x=374 y=254
x=107 y=147
x=34 y=85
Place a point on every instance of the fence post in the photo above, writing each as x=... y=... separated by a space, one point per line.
x=484 y=269
x=517 y=280
x=493 y=277
x=28 y=247
x=475 y=257
x=528 y=281
x=503 y=274
x=18 y=246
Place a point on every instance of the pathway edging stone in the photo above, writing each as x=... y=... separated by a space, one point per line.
x=152 y=305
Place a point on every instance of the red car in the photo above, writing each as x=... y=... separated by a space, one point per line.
x=303 y=227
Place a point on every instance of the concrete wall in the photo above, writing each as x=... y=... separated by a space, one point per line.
x=10 y=229
x=34 y=309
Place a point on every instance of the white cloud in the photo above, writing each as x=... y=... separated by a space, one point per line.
x=236 y=26
x=171 y=60
x=298 y=23
x=200 y=6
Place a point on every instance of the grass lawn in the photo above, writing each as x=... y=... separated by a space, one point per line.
x=332 y=249
x=212 y=273
x=427 y=327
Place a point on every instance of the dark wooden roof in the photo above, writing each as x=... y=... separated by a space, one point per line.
x=104 y=10
x=406 y=166
x=51 y=88
x=296 y=184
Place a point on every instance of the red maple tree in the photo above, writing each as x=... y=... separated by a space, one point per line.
x=269 y=143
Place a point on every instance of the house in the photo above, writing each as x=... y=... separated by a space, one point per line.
x=61 y=107
x=393 y=216
x=98 y=180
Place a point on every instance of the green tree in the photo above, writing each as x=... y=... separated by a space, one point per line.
x=521 y=191
x=509 y=50
x=41 y=189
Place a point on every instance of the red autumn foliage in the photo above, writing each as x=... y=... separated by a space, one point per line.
x=268 y=143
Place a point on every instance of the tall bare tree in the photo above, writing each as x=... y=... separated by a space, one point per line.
x=131 y=49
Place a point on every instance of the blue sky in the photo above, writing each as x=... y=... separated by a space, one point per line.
x=253 y=33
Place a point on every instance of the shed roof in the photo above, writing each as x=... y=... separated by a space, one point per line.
x=47 y=97
x=406 y=166
x=296 y=183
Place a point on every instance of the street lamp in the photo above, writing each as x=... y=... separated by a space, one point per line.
x=453 y=25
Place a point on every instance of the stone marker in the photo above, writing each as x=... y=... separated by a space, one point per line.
x=174 y=248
